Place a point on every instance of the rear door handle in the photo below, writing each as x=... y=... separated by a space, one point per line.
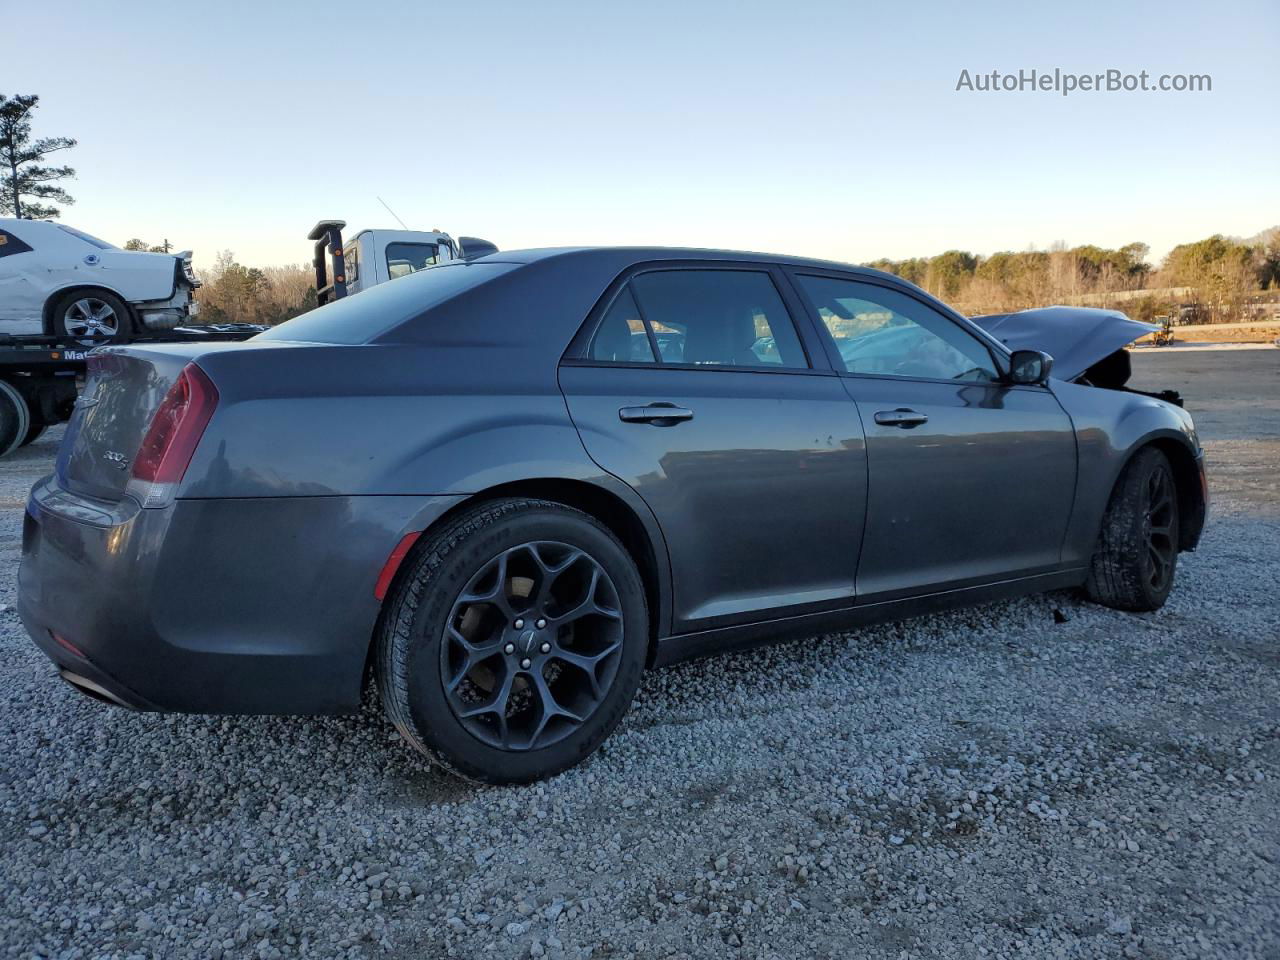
x=902 y=417
x=661 y=414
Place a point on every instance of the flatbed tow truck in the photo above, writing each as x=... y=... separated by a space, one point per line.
x=41 y=376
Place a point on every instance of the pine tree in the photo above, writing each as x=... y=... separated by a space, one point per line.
x=21 y=172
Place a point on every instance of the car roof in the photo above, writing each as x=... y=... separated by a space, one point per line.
x=642 y=254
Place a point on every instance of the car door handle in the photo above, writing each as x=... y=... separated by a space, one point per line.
x=661 y=414
x=902 y=417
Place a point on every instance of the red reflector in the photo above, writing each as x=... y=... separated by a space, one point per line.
x=393 y=564
x=67 y=645
x=176 y=428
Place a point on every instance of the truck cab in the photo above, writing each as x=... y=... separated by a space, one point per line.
x=376 y=256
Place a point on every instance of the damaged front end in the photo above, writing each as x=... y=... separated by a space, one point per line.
x=1088 y=345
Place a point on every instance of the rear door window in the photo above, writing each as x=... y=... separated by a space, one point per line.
x=621 y=336
x=718 y=318
x=10 y=244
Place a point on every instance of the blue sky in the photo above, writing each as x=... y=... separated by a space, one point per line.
x=827 y=129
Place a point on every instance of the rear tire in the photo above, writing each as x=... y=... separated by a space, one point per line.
x=92 y=317
x=15 y=418
x=1137 y=553
x=513 y=642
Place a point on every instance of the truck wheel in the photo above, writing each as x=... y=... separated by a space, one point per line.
x=1137 y=550
x=15 y=418
x=514 y=641
x=92 y=317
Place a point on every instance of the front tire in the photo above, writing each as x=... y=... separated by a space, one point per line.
x=514 y=641
x=1137 y=552
x=92 y=317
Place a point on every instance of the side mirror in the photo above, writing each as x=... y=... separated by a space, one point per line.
x=1029 y=367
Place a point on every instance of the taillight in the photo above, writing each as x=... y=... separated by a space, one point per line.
x=172 y=438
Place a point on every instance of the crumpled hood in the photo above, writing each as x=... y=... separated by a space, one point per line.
x=1076 y=337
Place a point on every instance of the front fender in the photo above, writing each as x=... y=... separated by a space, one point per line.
x=1111 y=426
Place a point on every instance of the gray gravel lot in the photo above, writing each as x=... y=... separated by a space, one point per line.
x=984 y=783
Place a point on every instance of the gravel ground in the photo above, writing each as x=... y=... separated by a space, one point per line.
x=1039 y=778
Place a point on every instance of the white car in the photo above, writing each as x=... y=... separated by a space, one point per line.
x=58 y=281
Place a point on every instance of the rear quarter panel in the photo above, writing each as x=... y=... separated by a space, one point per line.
x=136 y=276
x=379 y=420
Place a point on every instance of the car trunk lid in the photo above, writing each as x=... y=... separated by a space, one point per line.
x=1076 y=337
x=123 y=388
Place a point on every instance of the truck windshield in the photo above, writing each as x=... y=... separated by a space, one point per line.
x=363 y=317
x=406 y=258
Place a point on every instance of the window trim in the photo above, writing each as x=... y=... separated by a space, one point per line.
x=998 y=351
x=816 y=357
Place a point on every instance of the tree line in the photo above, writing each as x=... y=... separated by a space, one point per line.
x=1219 y=274
x=230 y=292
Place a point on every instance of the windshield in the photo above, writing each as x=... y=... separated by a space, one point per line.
x=406 y=258
x=100 y=244
x=361 y=318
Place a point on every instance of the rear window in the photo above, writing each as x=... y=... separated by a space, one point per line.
x=87 y=238
x=362 y=317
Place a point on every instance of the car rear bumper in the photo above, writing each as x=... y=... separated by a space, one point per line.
x=256 y=605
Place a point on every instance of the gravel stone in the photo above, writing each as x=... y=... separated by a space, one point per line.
x=996 y=782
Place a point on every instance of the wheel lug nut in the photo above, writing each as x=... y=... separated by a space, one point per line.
x=509 y=648
x=526 y=663
x=519 y=624
x=540 y=623
x=546 y=648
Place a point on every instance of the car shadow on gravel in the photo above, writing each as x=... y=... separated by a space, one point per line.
x=363 y=756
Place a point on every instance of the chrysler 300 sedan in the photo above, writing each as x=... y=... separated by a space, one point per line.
x=505 y=487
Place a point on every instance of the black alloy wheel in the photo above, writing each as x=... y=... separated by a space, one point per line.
x=513 y=640
x=532 y=645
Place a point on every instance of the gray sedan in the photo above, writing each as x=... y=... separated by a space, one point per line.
x=505 y=487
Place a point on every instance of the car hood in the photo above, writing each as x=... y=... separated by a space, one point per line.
x=1076 y=337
